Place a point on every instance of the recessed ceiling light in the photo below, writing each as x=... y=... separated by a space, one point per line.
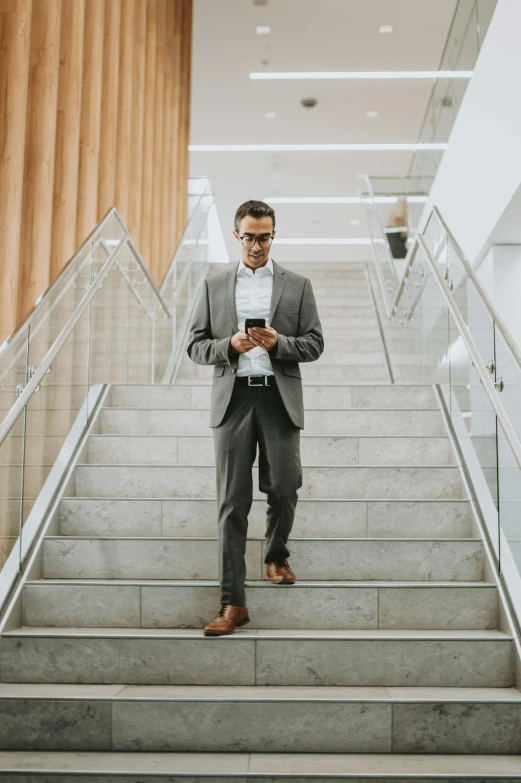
x=270 y=115
x=372 y=114
x=263 y=30
x=354 y=75
x=385 y=29
x=354 y=222
x=387 y=147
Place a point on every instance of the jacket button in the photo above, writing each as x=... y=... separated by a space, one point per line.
x=233 y=369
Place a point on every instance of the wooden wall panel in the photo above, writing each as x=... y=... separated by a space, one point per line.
x=122 y=184
x=94 y=113
x=109 y=106
x=66 y=156
x=138 y=117
x=148 y=136
x=15 y=37
x=35 y=242
x=87 y=216
x=157 y=160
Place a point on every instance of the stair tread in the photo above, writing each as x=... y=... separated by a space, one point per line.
x=265 y=584
x=414 y=539
x=258 y=693
x=246 y=764
x=245 y=633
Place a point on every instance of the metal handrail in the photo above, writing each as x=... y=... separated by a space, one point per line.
x=484 y=376
x=507 y=335
x=17 y=409
x=57 y=280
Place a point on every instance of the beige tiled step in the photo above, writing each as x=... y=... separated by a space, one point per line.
x=309 y=719
x=472 y=659
x=314 y=450
x=181 y=517
x=346 y=481
x=305 y=605
x=356 y=559
x=318 y=395
x=354 y=422
x=67 y=767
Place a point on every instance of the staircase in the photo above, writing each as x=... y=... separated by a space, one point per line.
x=392 y=656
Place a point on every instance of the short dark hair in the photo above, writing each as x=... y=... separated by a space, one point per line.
x=256 y=209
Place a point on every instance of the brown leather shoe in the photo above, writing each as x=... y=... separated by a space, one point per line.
x=228 y=618
x=280 y=573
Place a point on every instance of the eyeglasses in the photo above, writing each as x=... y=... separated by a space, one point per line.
x=249 y=241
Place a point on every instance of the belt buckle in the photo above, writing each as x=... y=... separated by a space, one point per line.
x=257 y=384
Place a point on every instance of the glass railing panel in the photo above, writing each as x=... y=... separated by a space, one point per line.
x=509 y=483
x=11 y=488
x=56 y=415
x=474 y=421
x=108 y=331
x=508 y=375
x=14 y=371
x=141 y=356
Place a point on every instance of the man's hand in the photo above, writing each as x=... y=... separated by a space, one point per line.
x=241 y=342
x=264 y=338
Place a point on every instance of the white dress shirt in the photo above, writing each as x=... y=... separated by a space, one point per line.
x=253 y=300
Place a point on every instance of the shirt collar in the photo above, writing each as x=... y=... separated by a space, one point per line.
x=267 y=268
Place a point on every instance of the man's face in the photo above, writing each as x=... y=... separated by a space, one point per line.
x=255 y=256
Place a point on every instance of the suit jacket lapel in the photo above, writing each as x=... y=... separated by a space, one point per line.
x=229 y=283
x=279 y=281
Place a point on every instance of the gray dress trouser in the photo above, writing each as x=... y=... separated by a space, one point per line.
x=255 y=415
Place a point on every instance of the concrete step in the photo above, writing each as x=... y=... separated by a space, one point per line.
x=315 y=396
x=311 y=558
x=354 y=422
x=464 y=659
x=93 y=767
x=333 y=518
x=352 y=358
x=331 y=373
x=304 y=606
x=310 y=719
x=347 y=481
x=314 y=449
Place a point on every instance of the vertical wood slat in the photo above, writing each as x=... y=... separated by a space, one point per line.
x=164 y=251
x=176 y=121
x=15 y=37
x=138 y=117
x=157 y=161
x=66 y=158
x=90 y=119
x=184 y=133
x=109 y=106
x=123 y=162
x=148 y=136
x=35 y=243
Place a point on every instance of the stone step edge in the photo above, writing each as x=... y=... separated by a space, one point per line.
x=339 y=465
x=258 y=693
x=302 y=434
x=276 y=766
x=263 y=584
x=406 y=635
x=300 y=539
x=213 y=498
x=207 y=410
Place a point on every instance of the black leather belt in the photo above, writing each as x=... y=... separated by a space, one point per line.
x=255 y=380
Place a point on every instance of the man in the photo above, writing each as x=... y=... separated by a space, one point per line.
x=256 y=399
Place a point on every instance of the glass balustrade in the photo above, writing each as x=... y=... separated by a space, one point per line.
x=103 y=321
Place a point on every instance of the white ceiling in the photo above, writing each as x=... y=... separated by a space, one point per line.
x=310 y=35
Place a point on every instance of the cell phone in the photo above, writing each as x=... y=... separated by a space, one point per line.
x=249 y=322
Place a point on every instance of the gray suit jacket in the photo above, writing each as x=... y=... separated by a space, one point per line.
x=293 y=314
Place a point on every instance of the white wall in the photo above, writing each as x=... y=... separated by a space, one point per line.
x=500 y=276
x=481 y=168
